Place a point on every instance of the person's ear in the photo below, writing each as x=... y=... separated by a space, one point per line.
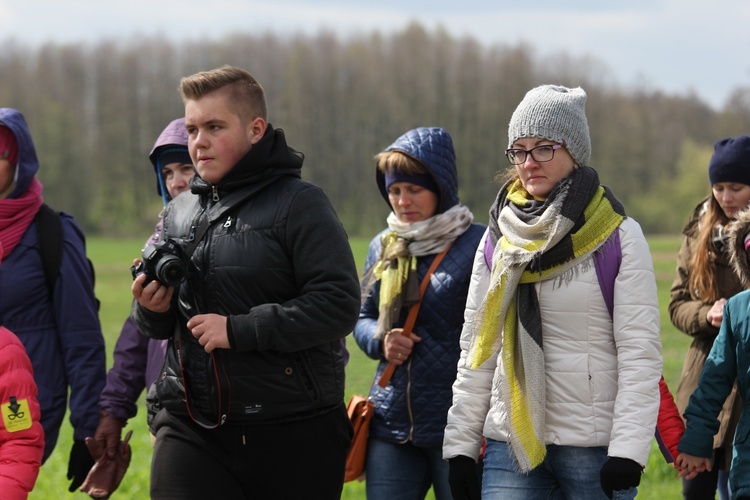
x=256 y=129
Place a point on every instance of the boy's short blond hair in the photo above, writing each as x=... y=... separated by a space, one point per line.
x=241 y=88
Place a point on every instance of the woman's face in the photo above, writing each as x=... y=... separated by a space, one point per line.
x=538 y=178
x=412 y=202
x=731 y=196
x=7 y=173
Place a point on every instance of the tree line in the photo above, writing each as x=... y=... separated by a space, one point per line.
x=95 y=109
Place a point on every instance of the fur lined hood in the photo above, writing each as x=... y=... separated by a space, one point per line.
x=738 y=254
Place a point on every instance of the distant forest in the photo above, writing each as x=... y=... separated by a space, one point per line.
x=96 y=109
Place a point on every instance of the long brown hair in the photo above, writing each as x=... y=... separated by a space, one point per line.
x=702 y=279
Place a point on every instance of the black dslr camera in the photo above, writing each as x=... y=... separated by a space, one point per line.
x=164 y=262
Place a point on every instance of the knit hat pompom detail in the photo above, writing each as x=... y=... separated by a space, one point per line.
x=555 y=113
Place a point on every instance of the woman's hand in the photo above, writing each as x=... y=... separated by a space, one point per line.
x=716 y=313
x=397 y=347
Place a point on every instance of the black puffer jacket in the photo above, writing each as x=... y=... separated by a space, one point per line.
x=276 y=261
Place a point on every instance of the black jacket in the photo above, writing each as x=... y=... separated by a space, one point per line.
x=276 y=261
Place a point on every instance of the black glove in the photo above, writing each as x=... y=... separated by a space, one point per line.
x=463 y=477
x=80 y=464
x=620 y=474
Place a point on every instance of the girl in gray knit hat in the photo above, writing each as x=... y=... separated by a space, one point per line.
x=561 y=357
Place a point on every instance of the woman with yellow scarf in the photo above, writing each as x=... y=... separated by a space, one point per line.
x=417 y=177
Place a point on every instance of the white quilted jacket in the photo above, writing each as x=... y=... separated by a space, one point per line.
x=602 y=373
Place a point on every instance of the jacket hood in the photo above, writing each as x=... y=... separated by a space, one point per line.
x=737 y=253
x=433 y=147
x=266 y=161
x=28 y=164
x=175 y=136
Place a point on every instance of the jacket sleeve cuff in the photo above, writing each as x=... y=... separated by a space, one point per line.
x=230 y=335
x=152 y=324
x=242 y=336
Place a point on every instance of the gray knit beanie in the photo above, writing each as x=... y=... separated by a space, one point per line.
x=557 y=114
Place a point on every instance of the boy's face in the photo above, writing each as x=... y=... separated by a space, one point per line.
x=218 y=137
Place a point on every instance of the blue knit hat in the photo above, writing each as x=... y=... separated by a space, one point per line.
x=424 y=180
x=731 y=161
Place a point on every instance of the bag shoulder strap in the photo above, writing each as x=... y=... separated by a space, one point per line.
x=50 y=239
x=385 y=377
x=49 y=235
x=607 y=261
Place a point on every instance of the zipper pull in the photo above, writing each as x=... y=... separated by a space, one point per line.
x=214 y=193
x=228 y=223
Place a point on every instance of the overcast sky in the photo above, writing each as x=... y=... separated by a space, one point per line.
x=700 y=46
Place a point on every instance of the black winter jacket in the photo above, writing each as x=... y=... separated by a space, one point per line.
x=276 y=262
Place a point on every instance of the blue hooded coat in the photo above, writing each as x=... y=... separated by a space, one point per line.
x=415 y=404
x=728 y=362
x=60 y=331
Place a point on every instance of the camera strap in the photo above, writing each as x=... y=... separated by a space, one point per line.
x=221 y=378
x=222 y=386
x=197 y=231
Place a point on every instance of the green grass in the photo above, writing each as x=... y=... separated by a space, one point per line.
x=112 y=260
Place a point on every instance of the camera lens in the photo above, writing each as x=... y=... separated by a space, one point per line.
x=170 y=271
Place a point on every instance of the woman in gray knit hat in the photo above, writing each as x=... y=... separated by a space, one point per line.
x=561 y=358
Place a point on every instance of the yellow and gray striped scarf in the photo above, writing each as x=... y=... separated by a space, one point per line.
x=534 y=241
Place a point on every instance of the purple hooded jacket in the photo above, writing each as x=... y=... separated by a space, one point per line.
x=138 y=359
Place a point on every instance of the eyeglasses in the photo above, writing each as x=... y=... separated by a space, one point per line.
x=539 y=154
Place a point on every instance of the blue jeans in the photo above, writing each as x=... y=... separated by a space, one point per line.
x=404 y=471
x=722 y=485
x=568 y=472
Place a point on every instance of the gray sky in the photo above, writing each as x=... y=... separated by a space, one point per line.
x=700 y=46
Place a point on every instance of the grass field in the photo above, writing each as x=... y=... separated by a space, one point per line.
x=112 y=262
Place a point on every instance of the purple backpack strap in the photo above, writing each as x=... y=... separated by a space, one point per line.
x=488 y=251
x=607 y=263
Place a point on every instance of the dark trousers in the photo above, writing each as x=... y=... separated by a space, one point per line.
x=301 y=459
x=701 y=487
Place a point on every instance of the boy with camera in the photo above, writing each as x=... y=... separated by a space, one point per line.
x=252 y=390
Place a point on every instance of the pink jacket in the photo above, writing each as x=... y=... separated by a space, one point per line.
x=21 y=434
